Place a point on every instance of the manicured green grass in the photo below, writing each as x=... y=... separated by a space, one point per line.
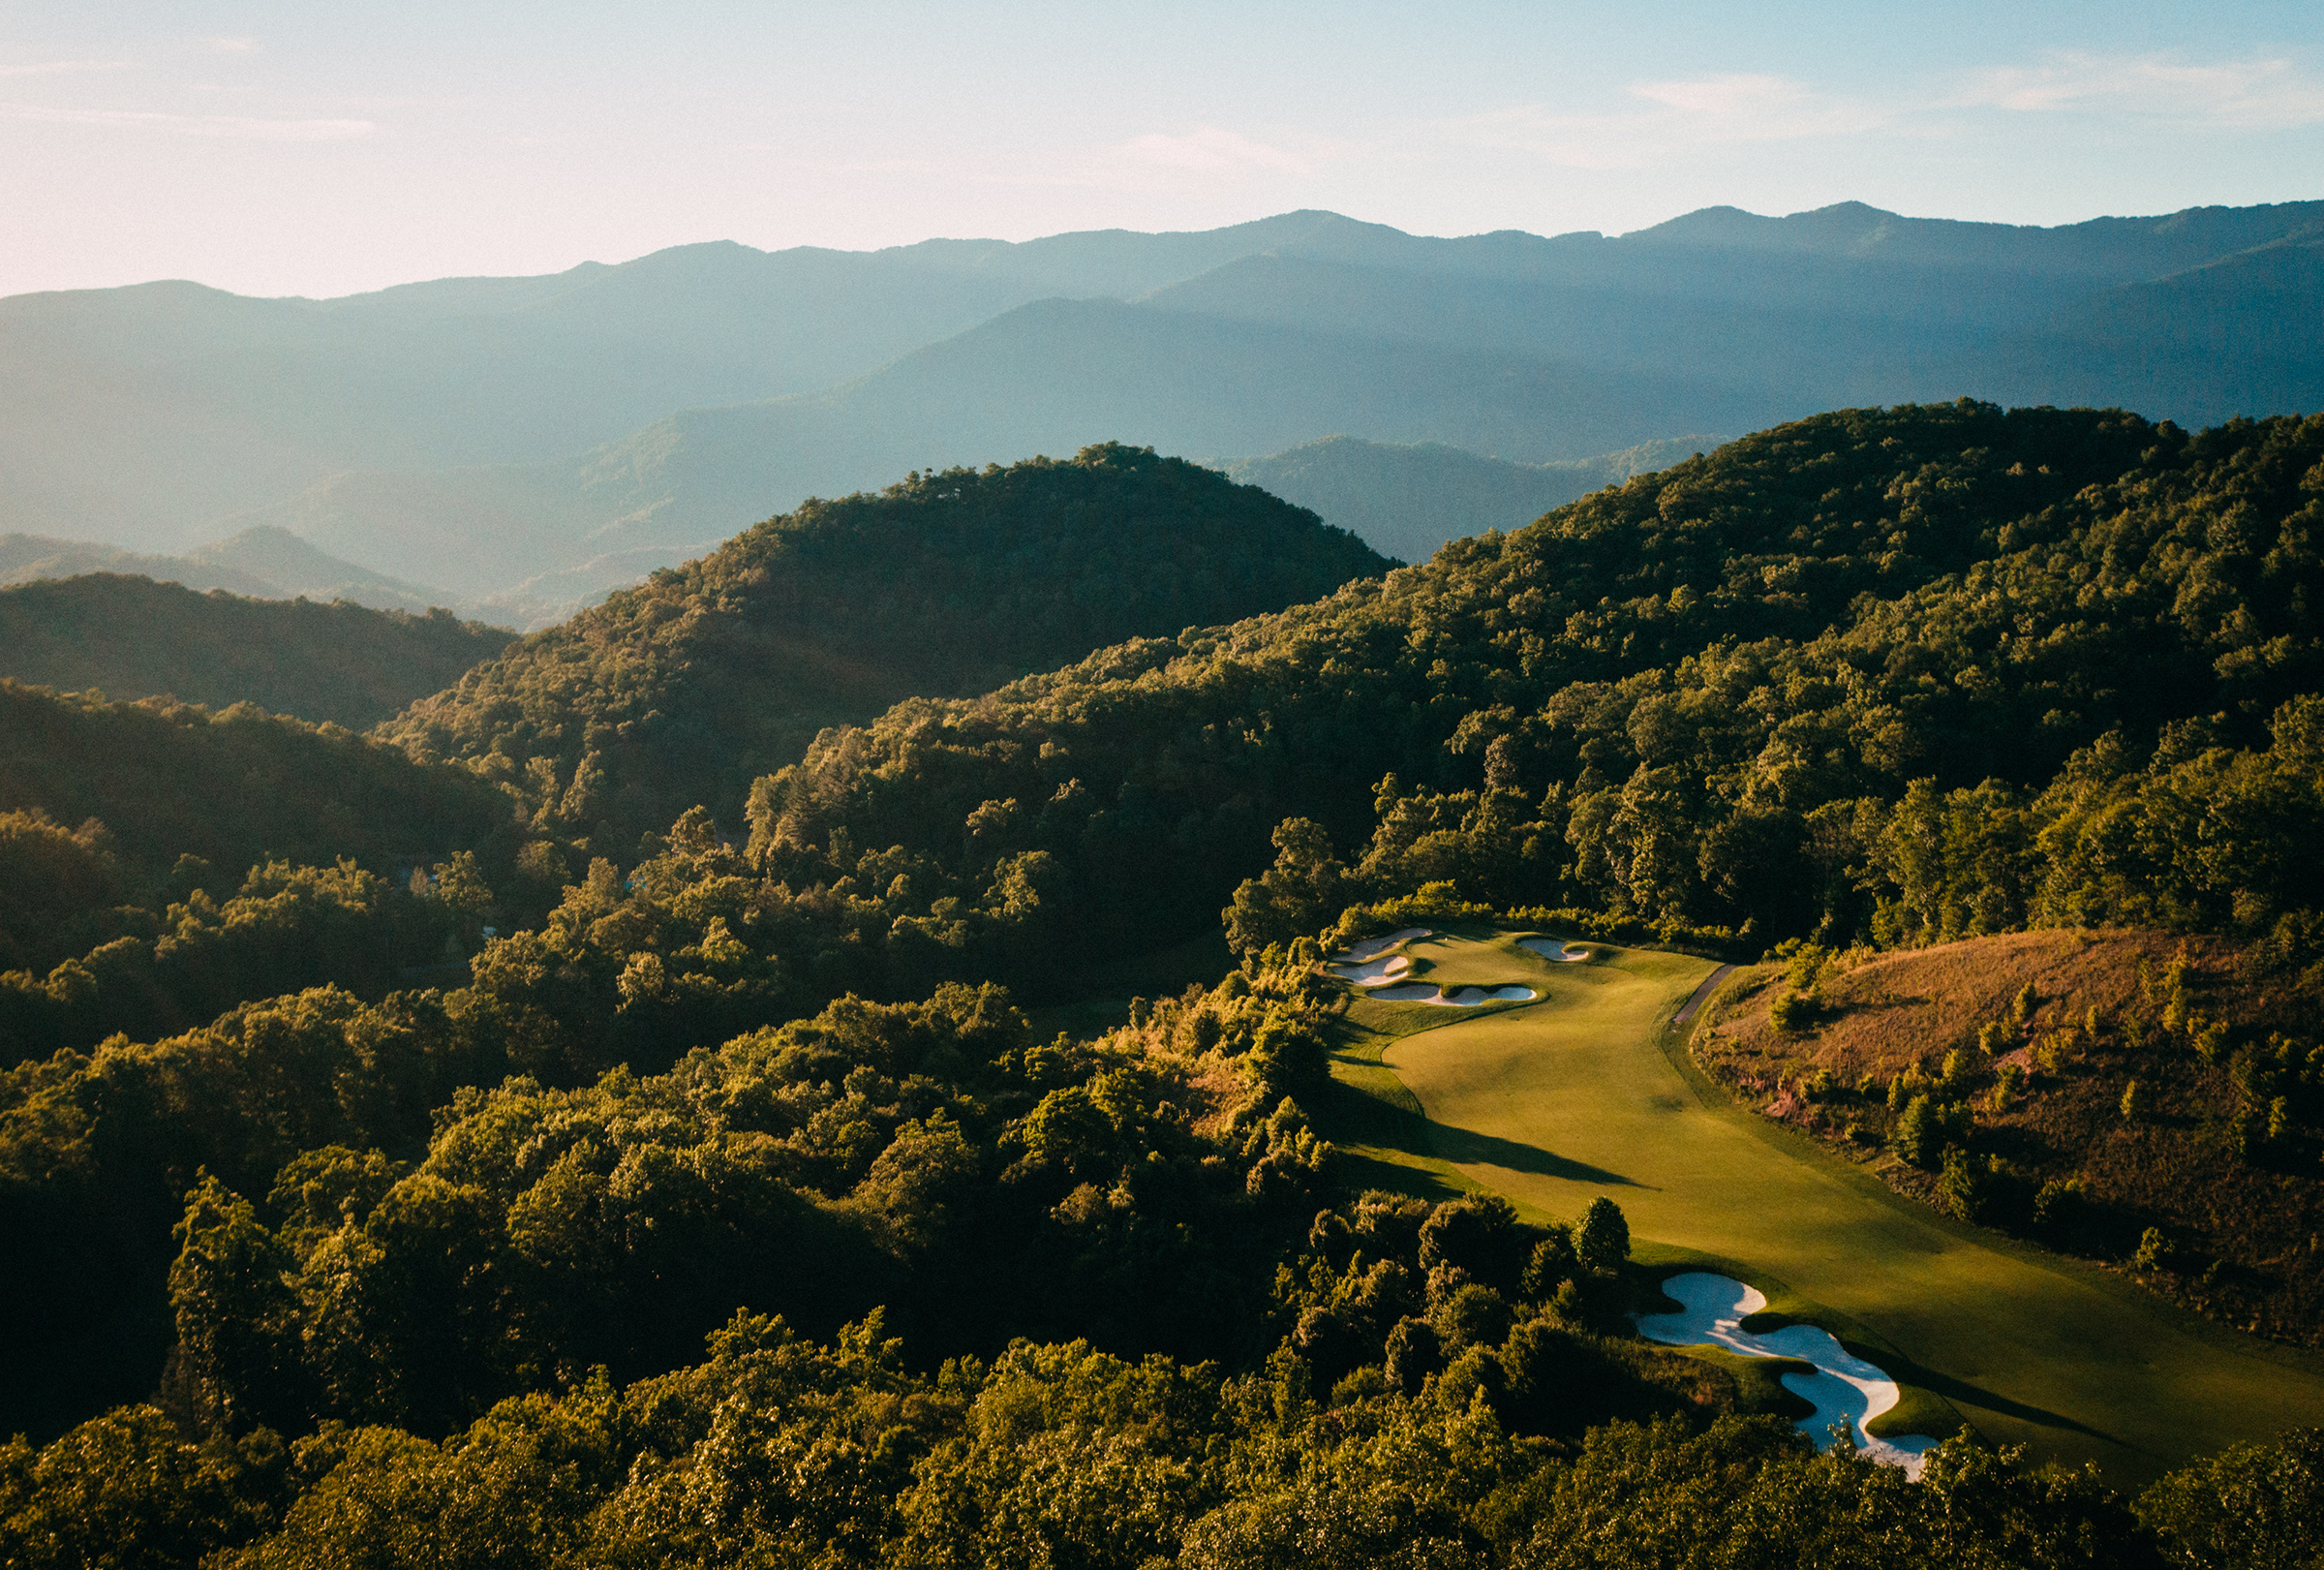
x=1556 y=1102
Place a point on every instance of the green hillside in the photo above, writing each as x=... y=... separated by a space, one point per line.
x=680 y=692
x=131 y=637
x=1834 y=676
x=468 y=1144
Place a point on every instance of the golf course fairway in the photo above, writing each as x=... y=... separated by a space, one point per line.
x=1582 y=1094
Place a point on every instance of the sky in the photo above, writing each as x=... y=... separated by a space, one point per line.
x=272 y=148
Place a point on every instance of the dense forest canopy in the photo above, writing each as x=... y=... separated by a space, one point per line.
x=680 y=692
x=131 y=637
x=1961 y=663
x=467 y=1146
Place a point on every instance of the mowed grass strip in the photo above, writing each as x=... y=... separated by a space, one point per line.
x=1555 y=1102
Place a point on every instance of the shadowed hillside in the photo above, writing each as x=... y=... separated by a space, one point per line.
x=131 y=637
x=678 y=693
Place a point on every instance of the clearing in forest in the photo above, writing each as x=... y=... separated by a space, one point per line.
x=1587 y=1092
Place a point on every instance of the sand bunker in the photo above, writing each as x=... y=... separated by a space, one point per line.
x=1365 y=966
x=1466 y=998
x=1372 y=973
x=1550 y=949
x=1844 y=1389
x=1373 y=947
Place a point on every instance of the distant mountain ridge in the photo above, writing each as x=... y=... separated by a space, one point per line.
x=261 y=562
x=1408 y=499
x=483 y=433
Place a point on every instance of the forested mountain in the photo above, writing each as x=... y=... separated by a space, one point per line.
x=362 y=423
x=682 y=691
x=521 y=1189
x=114 y=814
x=131 y=637
x=1671 y=698
x=1408 y=499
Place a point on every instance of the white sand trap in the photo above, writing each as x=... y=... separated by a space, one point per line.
x=1373 y=947
x=1373 y=972
x=1550 y=949
x=1844 y=1389
x=1466 y=998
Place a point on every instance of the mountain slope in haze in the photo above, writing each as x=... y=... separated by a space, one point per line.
x=679 y=692
x=1049 y=377
x=152 y=416
x=1513 y=347
x=1406 y=499
x=147 y=416
x=261 y=563
x=131 y=637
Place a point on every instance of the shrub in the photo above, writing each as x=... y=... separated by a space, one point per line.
x=1792 y=1012
x=1604 y=1241
x=2059 y=1202
x=1360 y=1386
x=1554 y=1262
x=2008 y=1081
x=1570 y=1305
x=1473 y=1316
x=1966 y=1185
x=1919 y=1133
x=1415 y=1352
x=2154 y=1251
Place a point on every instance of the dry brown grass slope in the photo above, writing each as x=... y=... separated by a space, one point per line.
x=2243 y=1215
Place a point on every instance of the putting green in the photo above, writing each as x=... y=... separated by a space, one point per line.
x=1556 y=1102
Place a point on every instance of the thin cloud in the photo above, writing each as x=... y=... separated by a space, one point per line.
x=62 y=68
x=1749 y=108
x=2243 y=95
x=239 y=126
x=231 y=46
x=1212 y=150
x=1663 y=120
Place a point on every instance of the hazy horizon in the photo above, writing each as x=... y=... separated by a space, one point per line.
x=270 y=151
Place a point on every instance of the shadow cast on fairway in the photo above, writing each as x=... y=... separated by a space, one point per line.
x=1375 y=1122
x=1961 y=1393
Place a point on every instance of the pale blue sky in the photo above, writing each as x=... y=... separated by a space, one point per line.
x=317 y=149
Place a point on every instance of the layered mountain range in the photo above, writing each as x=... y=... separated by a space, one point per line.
x=524 y=445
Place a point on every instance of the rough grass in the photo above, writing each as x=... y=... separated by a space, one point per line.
x=1555 y=1102
x=2245 y=1230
